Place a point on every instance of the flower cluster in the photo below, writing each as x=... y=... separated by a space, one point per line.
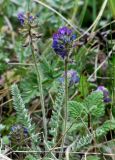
x=105 y=91
x=29 y=29
x=25 y=18
x=21 y=18
x=63 y=41
x=18 y=129
x=72 y=76
x=18 y=133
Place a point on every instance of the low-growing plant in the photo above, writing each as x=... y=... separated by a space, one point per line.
x=57 y=80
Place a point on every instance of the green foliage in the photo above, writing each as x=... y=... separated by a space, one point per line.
x=93 y=158
x=21 y=110
x=92 y=48
x=5 y=140
x=23 y=116
x=83 y=141
x=105 y=128
x=56 y=114
x=30 y=157
x=21 y=52
x=92 y=104
x=75 y=109
x=99 y=132
x=2 y=127
x=29 y=87
x=112 y=6
x=111 y=72
x=3 y=67
x=83 y=86
x=66 y=4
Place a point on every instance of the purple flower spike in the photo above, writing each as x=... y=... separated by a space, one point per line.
x=31 y=18
x=25 y=18
x=105 y=91
x=72 y=76
x=62 y=41
x=65 y=31
x=21 y=17
x=17 y=128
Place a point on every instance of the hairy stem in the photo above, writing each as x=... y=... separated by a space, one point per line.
x=65 y=111
x=91 y=131
x=66 y=95
x=39 y=80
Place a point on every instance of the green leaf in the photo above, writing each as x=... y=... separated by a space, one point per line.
x=75 y=108
x=112 y=6
x=105 y=128
x=93 y=158
x=30 y=157
x=83 y=86
x=94 y=104
x=2 y=127
x=55 y=118
x=29 y=87
x=6 y=140
x=23 y=116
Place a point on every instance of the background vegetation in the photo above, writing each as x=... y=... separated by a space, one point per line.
x=90 y=124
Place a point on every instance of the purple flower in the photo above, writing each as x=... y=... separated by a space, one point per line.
x=21 y=17
x=17 y=128
x=105 y=91
x=72 y=76
x=31 y=18
x=25 y=131
x=63 y=41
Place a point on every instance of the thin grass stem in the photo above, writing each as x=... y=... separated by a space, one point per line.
x=39 y=80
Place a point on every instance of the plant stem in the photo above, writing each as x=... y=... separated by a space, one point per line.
x=66 y=95
x=91 y=131
x=64 y=110
x=39 y=80
x=113 y=80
